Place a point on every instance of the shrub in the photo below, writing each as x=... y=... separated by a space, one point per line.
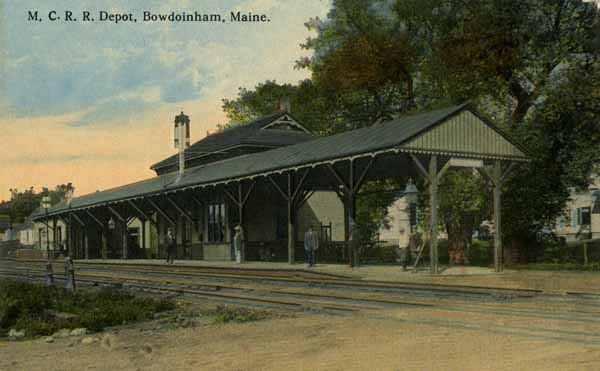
x=23 y=305
x=480 y=253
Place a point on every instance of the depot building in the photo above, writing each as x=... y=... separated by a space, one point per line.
x=275 y=178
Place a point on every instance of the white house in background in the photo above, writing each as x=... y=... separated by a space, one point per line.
x=56 y=235
x=25 y=234
x=399 y=222
x=583 y=210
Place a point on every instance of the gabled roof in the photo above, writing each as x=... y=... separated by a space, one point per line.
x=391 y=136
x=244 y=134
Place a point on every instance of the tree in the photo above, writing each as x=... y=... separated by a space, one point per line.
x=530 y=65
x=500 y=51
x=507 y=57
x=23 y=203
x=307 y=103
x=464 y=204
x=363 y=62
x=563 y=136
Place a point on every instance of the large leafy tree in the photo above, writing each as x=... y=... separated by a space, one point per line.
x=508 y=57
x=502 y=52
x=532 y=66
x=363 y=62
x=563 y=137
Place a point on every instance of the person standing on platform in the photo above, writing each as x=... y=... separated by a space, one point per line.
x=70 y=285
x=404 y=248
x=311 y=244
x=238 y=243
x=354 y=244
x=171 y=246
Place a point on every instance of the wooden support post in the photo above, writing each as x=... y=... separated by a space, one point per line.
x=240 y=206
x=104 y=243
x=125 y=253
x=293 y=196
x=201 y=224
x=84 y=237
x=433 y=176
x=291 y=222
x=104 y=248
x=348 y=197
x=497 y=177
x=54 y=237
x=351 y=209
x=433 y=211
x=86 y=245
x=497 y=180
x=124 y=234
x=239 y=199
x=143 y=237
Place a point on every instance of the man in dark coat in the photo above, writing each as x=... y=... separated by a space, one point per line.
x=353 y=244
x=311 y=244
x=171 y=246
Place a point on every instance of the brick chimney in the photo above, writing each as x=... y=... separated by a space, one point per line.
x=284 y=104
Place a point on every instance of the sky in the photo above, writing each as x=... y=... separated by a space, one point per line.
x=93 y=103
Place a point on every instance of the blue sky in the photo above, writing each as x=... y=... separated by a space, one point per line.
x=97 y=83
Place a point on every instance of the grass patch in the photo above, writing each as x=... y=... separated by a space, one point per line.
x=24 y=306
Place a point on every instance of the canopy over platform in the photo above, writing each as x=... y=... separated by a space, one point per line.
x=341 y=163
x=457 y=131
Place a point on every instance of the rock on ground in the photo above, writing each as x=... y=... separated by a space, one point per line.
x=88 y=340
x=79 y=332
x=16 y=334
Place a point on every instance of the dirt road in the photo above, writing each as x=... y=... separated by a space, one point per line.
x=399 y=339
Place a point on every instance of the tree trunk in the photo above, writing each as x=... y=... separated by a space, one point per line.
x=456 y=244
x=460 y=238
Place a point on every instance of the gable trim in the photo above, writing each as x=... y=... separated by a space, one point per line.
x=467 y=107
x=286 y=119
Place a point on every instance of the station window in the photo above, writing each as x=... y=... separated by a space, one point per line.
x=584 y=216
x=216 y=220
x=58 y=235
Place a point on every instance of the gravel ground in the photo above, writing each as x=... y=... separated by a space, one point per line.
x=399 y=339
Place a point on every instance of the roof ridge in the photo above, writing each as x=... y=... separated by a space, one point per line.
x=244 y=126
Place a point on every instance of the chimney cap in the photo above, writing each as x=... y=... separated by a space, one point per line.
x=182 y=118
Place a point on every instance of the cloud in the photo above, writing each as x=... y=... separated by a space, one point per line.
x=93 y=104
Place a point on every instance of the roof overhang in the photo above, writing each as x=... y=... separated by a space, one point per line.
x=421 y=134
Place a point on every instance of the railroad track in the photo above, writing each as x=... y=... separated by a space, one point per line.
x=519 y=312
x=327 y=294
x=294 y=276
x=318 y=303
